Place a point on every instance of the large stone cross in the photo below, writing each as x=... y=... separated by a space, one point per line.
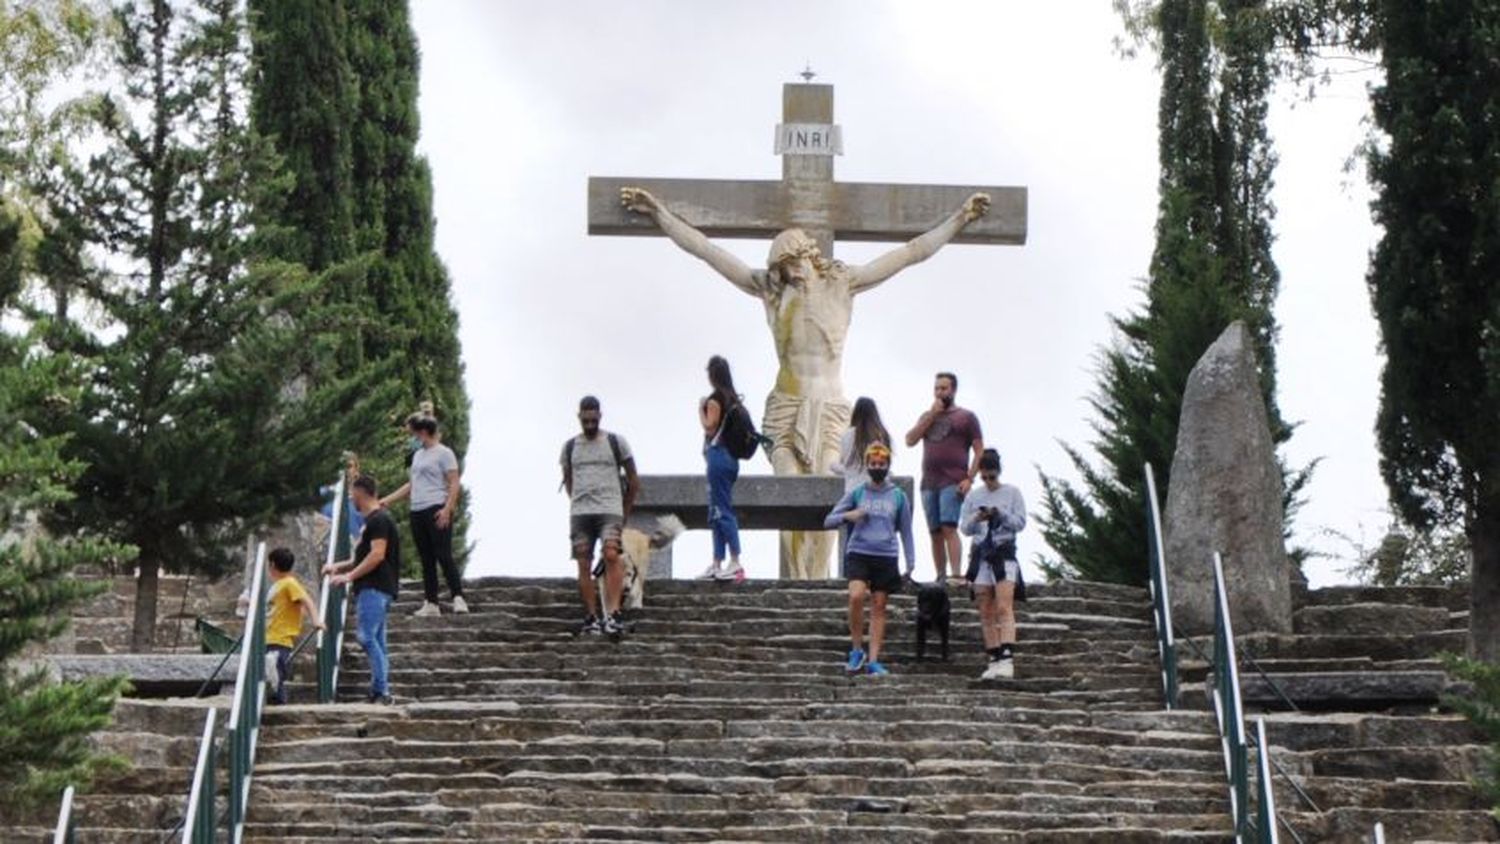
x=807 y=196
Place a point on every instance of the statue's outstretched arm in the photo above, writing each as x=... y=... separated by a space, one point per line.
x=919 y=248
x=690 y=239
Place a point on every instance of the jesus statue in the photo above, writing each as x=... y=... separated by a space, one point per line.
x=808 y=300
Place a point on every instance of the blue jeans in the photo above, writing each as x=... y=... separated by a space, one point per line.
x=371 y=605
x=723 y=471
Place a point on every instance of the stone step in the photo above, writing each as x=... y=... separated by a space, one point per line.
x=1295 y=731
x=1381 y=648
x=1100 y=829
x=1018 y=795
x=754 y=588
x=1094 y=749
x=1352 y=825
x=894 y=733
x=1455 y=598
x=883 y=688
x=729 y=716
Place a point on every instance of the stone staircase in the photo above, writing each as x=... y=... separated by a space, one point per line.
x=1368 y=741
x=144 y=803
x=726 y=715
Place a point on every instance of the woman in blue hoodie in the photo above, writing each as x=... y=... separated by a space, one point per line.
x=878 y=514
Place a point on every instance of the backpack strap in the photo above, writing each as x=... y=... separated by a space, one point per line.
x=859 y=494
x=614 y=446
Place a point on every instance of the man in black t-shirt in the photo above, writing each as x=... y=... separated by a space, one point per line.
x=375 y=576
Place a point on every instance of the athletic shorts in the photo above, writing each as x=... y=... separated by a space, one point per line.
x=941 y=507
x=986 y=575
x=588 y=529
x=881 y=573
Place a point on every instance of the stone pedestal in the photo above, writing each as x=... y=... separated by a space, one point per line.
x=1225 y=496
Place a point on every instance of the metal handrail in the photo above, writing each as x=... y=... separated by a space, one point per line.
x=1265 y=791
x=249 y=699
x=1378 y=836
x=199 y=822
x=1161 y=603
x=1228 y=708
x=333 y=602
x=64 y=834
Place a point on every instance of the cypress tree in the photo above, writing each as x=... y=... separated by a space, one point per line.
x=303 y=99
x=368 y=114
x=1211 y=265
x=393 y=212
x=1435 y=278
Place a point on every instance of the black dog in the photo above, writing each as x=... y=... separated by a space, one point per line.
x=933 y=611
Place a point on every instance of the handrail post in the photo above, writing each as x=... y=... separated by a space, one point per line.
x=198 y=822
x=1227 y=704
x=1161 y=602
x=1266 y=788
x=333 y=603
x=249 y=697
x=64 y=833
x=1378 y=836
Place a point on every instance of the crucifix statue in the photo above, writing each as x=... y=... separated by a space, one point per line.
x=808 y=296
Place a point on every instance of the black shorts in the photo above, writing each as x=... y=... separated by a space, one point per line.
x=584 y=531
x=881 y=573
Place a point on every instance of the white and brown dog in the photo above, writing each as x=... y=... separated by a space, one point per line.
x=637 y=546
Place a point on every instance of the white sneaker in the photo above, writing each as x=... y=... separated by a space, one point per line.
x=734 y=571
x=711 y=572
x=459 y=606
x=999 y=669
x=428 y=610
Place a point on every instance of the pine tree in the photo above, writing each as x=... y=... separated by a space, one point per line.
x=1212 y=265
x=201 y=420
x=1435 y=278
x=44 y=725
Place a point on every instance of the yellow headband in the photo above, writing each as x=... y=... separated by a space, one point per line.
x=878 y=450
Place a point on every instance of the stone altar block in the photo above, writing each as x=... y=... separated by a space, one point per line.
x=762 y=502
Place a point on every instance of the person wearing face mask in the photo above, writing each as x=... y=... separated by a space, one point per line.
x=947 y=433
x=433 y=489
x=879 y=515
x=993 y=513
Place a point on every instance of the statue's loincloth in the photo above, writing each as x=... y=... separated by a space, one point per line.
x=810 y=427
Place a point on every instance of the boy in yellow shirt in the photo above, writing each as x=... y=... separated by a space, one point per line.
x=288 y=602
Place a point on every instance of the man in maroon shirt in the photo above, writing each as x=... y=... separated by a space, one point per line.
x=948 y=434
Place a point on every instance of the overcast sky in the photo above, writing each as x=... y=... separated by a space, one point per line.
x=522 y=101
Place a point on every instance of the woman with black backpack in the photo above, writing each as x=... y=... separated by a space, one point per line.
x=720 y=413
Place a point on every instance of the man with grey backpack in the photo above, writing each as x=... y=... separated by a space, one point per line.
x=598 y=471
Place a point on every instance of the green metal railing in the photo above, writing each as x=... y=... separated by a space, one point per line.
x=64 y=834
x=333 y=602
x=199 y=822
x=1161 y=602
x=1265 y=790
x=249 y=700
x=1224 y=692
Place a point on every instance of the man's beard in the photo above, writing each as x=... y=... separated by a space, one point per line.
x=947 y=402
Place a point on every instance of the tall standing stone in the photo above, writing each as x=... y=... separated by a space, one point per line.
x=1226 y=496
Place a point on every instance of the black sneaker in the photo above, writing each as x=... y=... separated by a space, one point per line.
x=590 y=627
x=383 y=700
x=612 y=626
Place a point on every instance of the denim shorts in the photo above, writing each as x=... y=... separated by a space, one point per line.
x=941 y=507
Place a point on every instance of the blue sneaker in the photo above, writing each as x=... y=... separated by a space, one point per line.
x=875 y=669
x=856 y=661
